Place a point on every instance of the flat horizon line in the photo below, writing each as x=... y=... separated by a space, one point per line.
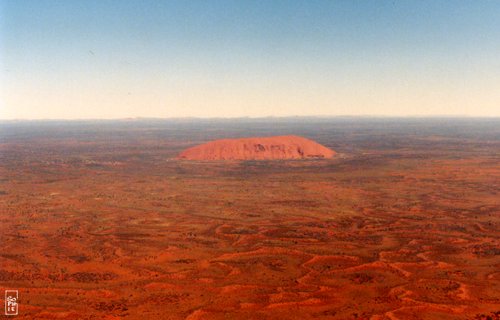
x=367 y=116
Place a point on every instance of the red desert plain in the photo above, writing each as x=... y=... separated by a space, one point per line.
x=314 y=218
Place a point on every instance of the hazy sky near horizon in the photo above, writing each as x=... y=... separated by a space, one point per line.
x=204 y=58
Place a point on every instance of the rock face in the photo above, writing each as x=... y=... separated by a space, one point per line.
x=263 y=148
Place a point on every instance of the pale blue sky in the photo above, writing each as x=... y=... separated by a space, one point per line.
x=116 y=59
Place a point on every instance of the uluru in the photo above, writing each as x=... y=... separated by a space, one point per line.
x=258 y=148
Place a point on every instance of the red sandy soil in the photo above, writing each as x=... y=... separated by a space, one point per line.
x=260 y=148
x=107 y=224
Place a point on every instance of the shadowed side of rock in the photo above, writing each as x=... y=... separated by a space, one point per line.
x=259 y=148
